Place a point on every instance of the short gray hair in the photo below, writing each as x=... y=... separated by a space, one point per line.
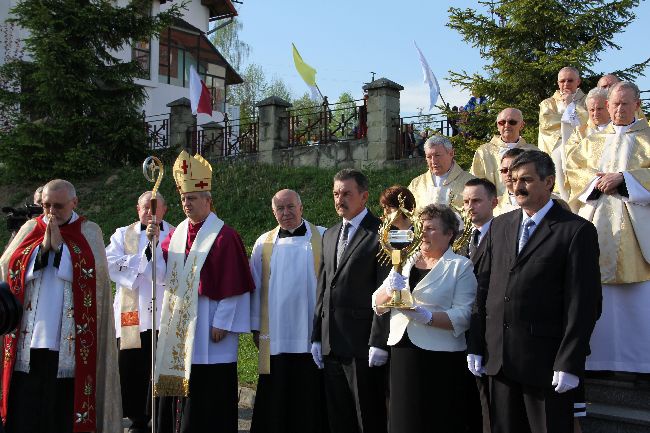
x=438 y=140
x=60 y=184
x=289 y=190
x=595 y=93
x=570 y=68
x=623 y=85
x=159 y=196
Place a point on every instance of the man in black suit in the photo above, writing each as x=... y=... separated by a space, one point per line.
x=349 y=340
x=479 y=200
x=536 y=305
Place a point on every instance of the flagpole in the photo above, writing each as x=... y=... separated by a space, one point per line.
x=319 y=92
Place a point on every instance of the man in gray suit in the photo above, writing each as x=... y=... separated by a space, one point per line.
x=349 y=340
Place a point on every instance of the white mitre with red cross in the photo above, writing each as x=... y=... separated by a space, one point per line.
x=192 y=173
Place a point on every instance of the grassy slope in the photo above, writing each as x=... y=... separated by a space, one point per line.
x=242 y=197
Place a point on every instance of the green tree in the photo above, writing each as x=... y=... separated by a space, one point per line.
x=227 y=41
x=72 y=107
x=526 y=43
x=255 y=88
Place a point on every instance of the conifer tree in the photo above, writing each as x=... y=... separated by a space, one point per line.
x=70 y=106
x=526 y=43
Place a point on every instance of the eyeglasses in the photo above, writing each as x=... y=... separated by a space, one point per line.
x=504 y=170
x=511 y=122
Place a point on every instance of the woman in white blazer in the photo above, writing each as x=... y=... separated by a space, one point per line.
x=428 y=343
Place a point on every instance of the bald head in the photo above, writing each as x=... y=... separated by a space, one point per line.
x=287 y=209
x=144 y=207
x=510 y=122
x=607 y=81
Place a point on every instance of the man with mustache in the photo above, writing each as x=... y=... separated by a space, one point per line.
x=444 y=180
x=536 y=305
x=349 y=339
x=609 y=174
x=510 y=122
x=559 y=115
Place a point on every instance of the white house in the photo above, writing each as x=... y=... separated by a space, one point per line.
x=167 y=59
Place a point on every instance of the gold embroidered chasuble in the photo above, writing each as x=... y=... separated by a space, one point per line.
x=550 y=120
x=179 y=309
x=487 y=160
x=426 y=193
x=622 y=226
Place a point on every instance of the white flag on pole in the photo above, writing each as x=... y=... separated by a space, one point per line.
x=429 y=79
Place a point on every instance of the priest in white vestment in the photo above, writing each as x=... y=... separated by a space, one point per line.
x=444 y=181
x=129 y=265
x=510 y=122
x=284 y=265
x=559 y=115
x=609 y=174
x=206 y=305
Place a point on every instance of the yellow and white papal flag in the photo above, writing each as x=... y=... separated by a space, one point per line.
x=307 y=73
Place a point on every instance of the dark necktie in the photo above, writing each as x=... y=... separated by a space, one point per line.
x=473 y=245
x=343 y=242
x=299 y=231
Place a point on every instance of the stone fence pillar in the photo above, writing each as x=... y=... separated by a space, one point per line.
x=215 y=138
x=181 y=120
x=383 y=115
x=273 y=127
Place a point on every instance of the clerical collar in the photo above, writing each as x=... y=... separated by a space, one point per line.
x=301 y=230
x=439 y=180
x=143 y=227
x=603 y=126
x=74 y=217
x=622 y=129
x=510 y=145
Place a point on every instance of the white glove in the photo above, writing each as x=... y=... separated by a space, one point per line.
x=395 y=282
x=377 y=357
x=475 y=364
x=419 y=314
x=564 y=381
x=317 y=354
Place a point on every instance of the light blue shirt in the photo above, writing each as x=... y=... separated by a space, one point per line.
x=354 y=223
x=537 y=218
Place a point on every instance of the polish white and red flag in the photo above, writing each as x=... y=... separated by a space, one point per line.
x=200 y=98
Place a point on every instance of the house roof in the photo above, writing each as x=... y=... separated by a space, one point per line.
x=219 y=9
x=232 y=77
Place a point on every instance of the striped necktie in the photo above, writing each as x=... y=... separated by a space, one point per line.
x=343 y=242
x=525 y=233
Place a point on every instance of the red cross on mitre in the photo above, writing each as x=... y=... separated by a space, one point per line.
x=201 y=185
x=184 y=167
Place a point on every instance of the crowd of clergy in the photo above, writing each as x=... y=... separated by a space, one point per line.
x=551 y=282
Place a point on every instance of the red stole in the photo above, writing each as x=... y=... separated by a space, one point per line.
x=85 y=318
x=226 y=271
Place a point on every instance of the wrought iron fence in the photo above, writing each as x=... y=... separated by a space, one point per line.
x=157 y=130
x=645 y=100
x=327 y=122
x=412 y=131
x=230 y=138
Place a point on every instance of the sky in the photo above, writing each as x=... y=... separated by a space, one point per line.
x=346 y=40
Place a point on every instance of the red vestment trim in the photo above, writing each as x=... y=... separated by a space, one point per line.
x=85 y=318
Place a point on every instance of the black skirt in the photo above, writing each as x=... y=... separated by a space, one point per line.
x=427 y=389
